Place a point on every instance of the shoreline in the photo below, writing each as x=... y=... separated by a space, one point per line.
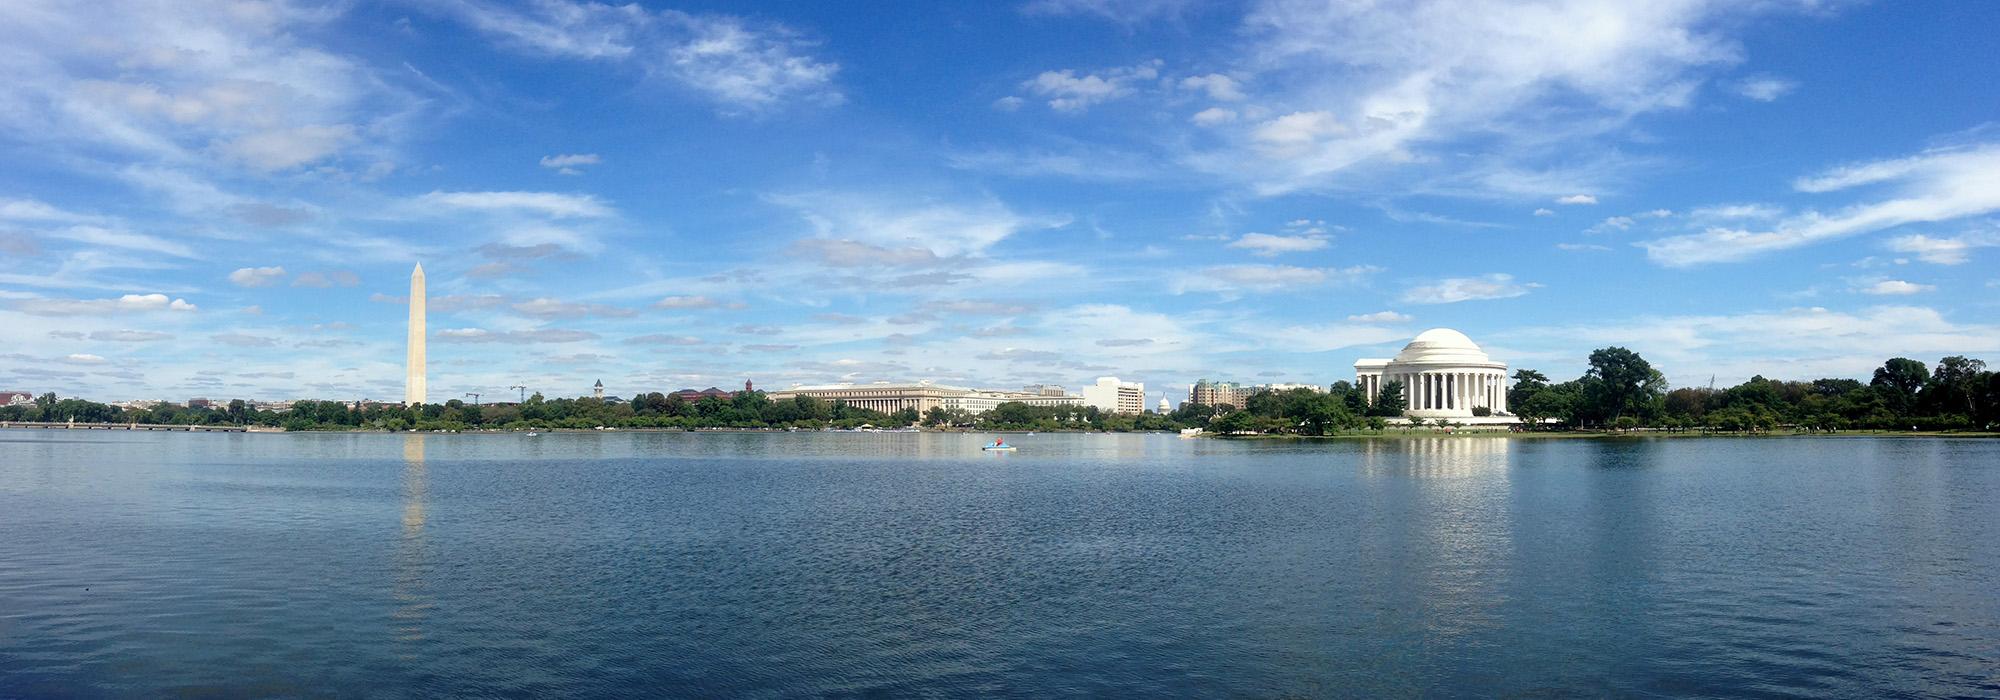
x=1384 y=435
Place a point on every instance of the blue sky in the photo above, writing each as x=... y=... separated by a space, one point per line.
x=225 y=199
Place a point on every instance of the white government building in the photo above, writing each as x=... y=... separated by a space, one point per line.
x=1444 y=375
x=923 y=396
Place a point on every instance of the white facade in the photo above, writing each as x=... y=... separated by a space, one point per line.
x=416 y=380
x=922 y=396
x=1444 y=375
x=1113 y=396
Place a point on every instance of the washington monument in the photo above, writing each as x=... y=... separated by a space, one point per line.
x=416 y=387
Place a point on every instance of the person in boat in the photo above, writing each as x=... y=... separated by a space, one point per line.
x=998 y=443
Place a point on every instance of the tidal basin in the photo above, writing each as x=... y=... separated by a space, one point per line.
x=774 y=565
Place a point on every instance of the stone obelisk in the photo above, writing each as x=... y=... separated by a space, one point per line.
x=416 y=386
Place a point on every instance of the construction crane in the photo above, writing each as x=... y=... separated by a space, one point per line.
x=475 y=397
x=524 y=392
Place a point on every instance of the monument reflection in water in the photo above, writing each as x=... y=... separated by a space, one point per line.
x=1457 y=538
x=413 y=601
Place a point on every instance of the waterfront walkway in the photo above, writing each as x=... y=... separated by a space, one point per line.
x=125 y=426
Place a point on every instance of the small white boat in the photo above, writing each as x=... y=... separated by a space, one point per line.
x=532 y=433
x=998 y=446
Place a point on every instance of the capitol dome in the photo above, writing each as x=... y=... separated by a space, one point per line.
x=1442 y=345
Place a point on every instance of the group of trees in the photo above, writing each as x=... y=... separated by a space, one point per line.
x=1342 y=408
x=1014 y=415
x=1622 y=391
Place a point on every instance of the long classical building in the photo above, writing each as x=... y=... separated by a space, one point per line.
x=1444 y=375
x=924 y=396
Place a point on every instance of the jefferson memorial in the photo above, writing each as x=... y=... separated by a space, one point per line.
x=1444 y=375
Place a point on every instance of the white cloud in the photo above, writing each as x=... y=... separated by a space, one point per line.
x=1267 y=245
x=741 y=65
x=1577 y=199
x=114 y=238
x=945 y=228
x=1456 y=289
x=846 y=253
x=1889 y=287
x=130 y=336
x=289 y=147
x=190 y=85
x=686 y=302
x=1213 y=116
x=1581 y=247
x=1943 y=251
x=570 y=163
x=543 y=335
x=1544 y=211
x=1937 y=185
x=1069 y=92
x=1384 y=85
x=551 y=204
x=1380 y=317
x=256 y=276
x=84 y=359
x=1729 y=212
x=1218 y=86
x=33 y=210
x=544 y=307
x=1764 y=88
x=1297 y=134
x=1230 y=280
x=1616 y=222
x=129 y=303
x=1121 y=11
x=1009 y=103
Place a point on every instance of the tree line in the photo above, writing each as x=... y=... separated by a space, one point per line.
x=1619 y=391
x=749 y=410
x=1622 y=391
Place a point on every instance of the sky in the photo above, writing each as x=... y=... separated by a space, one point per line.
x=225 y=199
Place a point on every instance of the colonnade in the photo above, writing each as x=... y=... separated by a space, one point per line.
x=1445 y=390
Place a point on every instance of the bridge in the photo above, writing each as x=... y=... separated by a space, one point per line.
x=125 y=426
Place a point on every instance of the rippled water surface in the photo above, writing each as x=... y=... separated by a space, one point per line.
x=913 y=564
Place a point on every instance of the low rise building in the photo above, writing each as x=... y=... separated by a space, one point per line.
x=1208 y=393
x=693 y=395
x=1111 y=395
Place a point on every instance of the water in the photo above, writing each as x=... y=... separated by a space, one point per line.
x=897 y=564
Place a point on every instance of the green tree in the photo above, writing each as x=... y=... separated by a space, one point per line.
x=1389 y=401
x=1953 y=385
x=1526 y=383
x=1898 y=380
x=1619 y=381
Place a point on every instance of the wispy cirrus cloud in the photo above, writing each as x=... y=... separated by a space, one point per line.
x=1452 y=290
x=740 y=65
x=1937 y=185
x=1239 y=279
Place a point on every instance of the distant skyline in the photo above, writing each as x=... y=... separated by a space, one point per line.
x=225 y=199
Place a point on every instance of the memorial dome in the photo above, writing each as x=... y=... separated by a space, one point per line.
x=1442 y=345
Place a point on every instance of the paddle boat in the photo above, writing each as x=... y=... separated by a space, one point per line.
x=998 y=446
